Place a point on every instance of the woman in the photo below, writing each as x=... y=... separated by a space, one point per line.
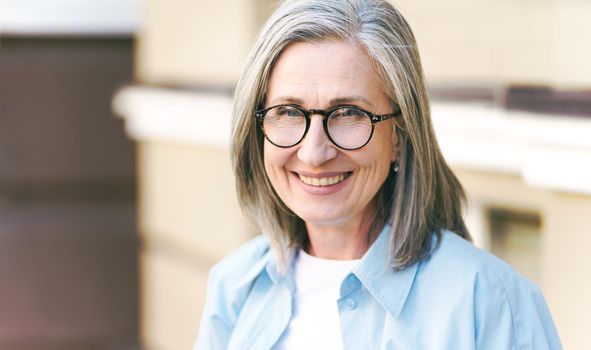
x=364 y=245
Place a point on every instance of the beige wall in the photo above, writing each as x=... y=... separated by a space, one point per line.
x=461 y=41
x=491 y=41
x=187 y=192
x=189 y=218
x=190 y=42
x=567 y=267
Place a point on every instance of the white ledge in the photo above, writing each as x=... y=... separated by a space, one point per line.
x=546 y=151
x=550 y=151
x=175 y=116
x=60 y=17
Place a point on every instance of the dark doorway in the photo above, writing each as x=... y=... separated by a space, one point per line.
x=68 y=247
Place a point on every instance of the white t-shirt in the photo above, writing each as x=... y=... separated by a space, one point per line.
x=315 y=321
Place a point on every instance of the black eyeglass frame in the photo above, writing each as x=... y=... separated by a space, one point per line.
x=374 y=118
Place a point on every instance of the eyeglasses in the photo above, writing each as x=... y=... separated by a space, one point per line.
x=347 y=127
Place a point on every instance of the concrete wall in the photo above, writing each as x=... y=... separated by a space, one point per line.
x=461 y=41
x=489 y=41
x=197 y=42
x=189 y=219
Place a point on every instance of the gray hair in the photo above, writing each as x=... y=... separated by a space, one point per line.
x=422 y=198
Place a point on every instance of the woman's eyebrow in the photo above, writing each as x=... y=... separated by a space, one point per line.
x=286 y=100
x=350 y=99
x=334 y=102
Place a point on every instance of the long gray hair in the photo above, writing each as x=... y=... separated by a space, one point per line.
x=422 y=198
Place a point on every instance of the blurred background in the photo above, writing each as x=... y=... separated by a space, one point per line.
x=116 y=191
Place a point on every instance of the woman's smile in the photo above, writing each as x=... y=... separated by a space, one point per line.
x=322 y=181
x=322 y=184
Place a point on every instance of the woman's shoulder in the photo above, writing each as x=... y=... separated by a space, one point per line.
x=499 y=299
x=230 y=279
x=228 y=285
x=459 y=260
x=458 y=254
x=245 y=262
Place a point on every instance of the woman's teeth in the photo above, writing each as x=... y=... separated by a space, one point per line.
x=322 y=181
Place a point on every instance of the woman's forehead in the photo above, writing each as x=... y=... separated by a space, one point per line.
x=323 y=71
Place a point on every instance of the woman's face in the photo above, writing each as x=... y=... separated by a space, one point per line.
x=322 y=76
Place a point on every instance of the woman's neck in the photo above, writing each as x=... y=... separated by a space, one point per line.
x=345 y=241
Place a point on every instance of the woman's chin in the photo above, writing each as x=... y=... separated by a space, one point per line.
x=325 y=218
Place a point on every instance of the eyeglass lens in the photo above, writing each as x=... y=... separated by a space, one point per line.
x=347 y=127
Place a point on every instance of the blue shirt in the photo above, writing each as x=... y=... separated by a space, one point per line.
x=459 y=298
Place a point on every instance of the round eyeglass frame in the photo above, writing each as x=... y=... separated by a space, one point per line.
x=374 y=118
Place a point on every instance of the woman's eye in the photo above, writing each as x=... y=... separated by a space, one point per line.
x=348 y=112
x=288 y=112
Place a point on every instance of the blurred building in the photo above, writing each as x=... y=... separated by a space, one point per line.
x=510 y=82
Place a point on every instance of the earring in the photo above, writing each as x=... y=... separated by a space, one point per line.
x=395 y=166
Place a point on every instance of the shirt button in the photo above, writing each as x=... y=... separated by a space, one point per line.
x=353 y=280
x=350 y=303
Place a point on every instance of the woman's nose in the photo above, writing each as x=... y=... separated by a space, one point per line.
x=316 y=149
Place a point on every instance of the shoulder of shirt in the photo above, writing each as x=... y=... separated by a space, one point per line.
x=458 y=258
x=229 y=283
x=243 y=264
x=458 y=269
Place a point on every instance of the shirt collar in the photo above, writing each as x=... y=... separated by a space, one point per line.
x=390 y=288
x=257 y=268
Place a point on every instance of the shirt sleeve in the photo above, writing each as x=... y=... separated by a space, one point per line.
x=510 y=313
